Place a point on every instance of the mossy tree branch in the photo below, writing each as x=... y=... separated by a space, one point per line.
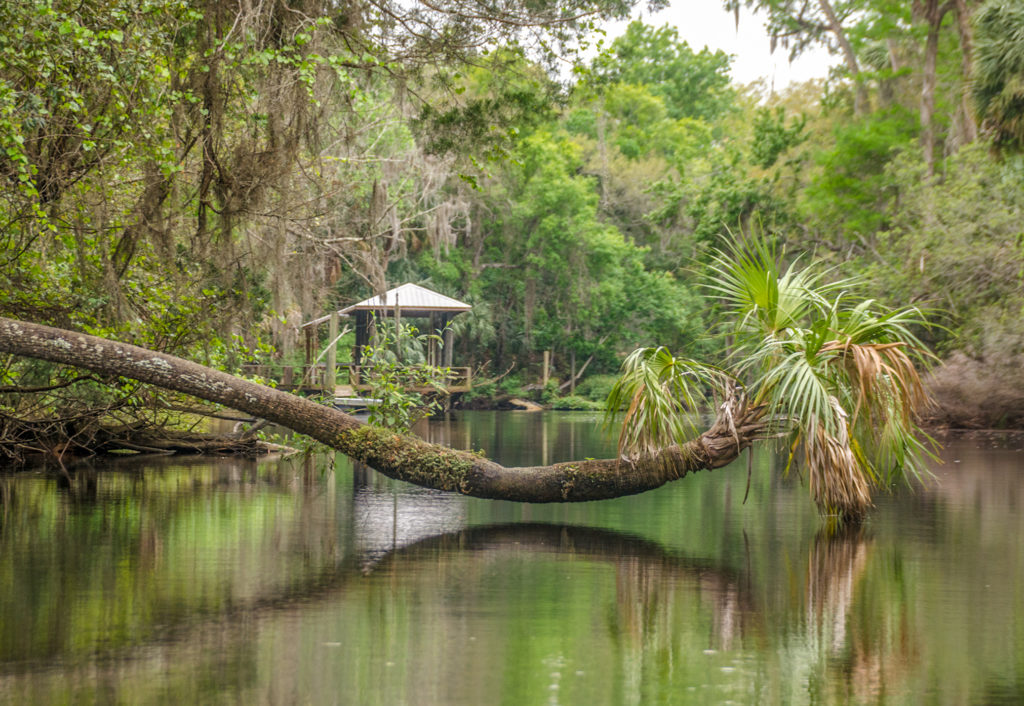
x=398 y=456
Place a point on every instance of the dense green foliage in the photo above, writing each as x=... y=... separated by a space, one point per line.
x=201 y=179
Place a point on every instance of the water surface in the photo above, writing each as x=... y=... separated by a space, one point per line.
x=310 y=581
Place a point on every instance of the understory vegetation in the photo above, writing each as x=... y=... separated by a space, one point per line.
x=201 y=177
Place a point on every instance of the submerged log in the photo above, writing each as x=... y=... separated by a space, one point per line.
x=189 y=443
x=26 y=443
x=395 y=455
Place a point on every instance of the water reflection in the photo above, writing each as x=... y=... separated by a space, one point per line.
x=385 y=520
x=653 y=590
x=288 y=582
x=835 y=567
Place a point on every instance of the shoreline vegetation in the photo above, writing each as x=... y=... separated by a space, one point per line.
x=961 y=416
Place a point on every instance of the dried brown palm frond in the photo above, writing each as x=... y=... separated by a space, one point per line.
x=881 y=374
x=839 y=484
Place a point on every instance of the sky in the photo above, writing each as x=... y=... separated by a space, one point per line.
x=704 y=22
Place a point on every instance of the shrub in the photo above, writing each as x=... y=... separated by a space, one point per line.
x=596 y=387
x=575 y=402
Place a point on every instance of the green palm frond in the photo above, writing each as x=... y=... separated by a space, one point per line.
x=764 y=297
x=662 y=396
x=798 y=387
x=868 y=322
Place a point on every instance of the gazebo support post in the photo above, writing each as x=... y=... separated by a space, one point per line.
x=449 y=341
x=330 y=374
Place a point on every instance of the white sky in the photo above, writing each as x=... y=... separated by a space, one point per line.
x=704 y=22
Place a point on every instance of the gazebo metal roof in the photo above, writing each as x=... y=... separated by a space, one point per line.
x=412 y=299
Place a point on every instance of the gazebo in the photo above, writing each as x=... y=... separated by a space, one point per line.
x=407 y=301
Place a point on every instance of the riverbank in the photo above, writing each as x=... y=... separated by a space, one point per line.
x=971 y=399
x=970 y=393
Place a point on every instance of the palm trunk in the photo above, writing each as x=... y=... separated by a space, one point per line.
x=402 y=457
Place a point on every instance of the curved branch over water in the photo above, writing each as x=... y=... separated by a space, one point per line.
x=398 y=456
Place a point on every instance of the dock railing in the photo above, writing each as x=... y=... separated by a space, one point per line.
x=311 y=378
x=456 y=380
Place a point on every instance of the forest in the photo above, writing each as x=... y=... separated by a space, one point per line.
x=199 y=178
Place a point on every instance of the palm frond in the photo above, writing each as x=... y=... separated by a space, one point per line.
x=838 y=482
x=839 y=372
x=662 y=395
x=765 y=298
x=798 y=387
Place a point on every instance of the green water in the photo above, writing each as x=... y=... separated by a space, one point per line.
x=291 y=582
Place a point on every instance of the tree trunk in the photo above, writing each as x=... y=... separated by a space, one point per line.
x=402 y=457
x=860 y=96
x=933 y=14
x=963 y=24
x=931 y=53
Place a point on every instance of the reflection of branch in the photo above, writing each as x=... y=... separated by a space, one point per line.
x=594 y=542
x=645 y=572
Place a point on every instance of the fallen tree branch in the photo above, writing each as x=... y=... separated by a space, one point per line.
x=573 y=379
x=145 y=449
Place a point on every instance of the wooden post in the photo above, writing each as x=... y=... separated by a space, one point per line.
x=330 y=375
x=361 y=337
x=572 y=373
x=547 y=367
x=431 y=342
x=449 y=342
x=310 y=332
x=398 y=330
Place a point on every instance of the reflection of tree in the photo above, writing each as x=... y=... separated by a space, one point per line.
x=114 y=560
x=836 y=564
x=652 y=603
x=647 y=576
x=385 y=520
x=863 y=639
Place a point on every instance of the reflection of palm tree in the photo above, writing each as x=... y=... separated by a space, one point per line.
x=836 y=564
x=863 y=660
x=652 y=585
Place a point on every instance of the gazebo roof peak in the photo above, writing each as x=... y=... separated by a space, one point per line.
x=409 y=297
x=412 y=299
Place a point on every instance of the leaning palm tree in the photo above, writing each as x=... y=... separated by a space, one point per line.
x=836 y=377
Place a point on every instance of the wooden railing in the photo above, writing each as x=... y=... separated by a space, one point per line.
x=457 y=380
x=291 y=377
x=308 y=378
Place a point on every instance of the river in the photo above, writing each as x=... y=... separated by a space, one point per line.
x=299 y=581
